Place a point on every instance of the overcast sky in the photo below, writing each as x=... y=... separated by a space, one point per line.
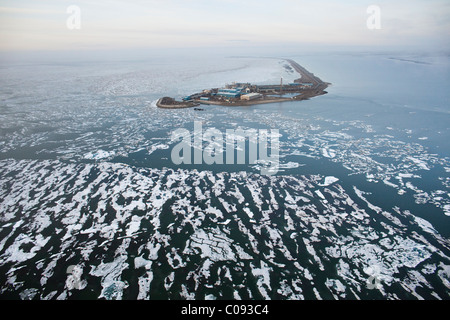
x=105 y=25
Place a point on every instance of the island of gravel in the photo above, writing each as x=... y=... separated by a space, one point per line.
x=244 y=94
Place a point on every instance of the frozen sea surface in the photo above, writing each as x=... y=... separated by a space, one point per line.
x=132 y=230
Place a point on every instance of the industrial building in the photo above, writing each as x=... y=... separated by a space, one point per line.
x=251 y=96
x=229 y=93
x=193 y=96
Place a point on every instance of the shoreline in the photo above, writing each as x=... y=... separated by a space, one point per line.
x=246 y=103
x=241 y=103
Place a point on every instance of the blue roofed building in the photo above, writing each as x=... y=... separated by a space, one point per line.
x=229 y=93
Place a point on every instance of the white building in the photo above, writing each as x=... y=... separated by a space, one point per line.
x=251 y=96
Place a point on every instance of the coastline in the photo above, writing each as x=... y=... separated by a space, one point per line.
x=265 y=100
x=245 y=103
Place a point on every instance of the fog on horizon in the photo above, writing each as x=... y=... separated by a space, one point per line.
x=121 y=30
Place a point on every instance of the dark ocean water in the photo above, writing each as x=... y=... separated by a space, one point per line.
x=92 y=205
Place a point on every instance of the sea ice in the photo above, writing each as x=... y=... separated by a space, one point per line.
x=100 y=154
x=329 y=180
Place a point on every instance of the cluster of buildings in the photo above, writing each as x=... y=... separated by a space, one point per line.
x=247 y=91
